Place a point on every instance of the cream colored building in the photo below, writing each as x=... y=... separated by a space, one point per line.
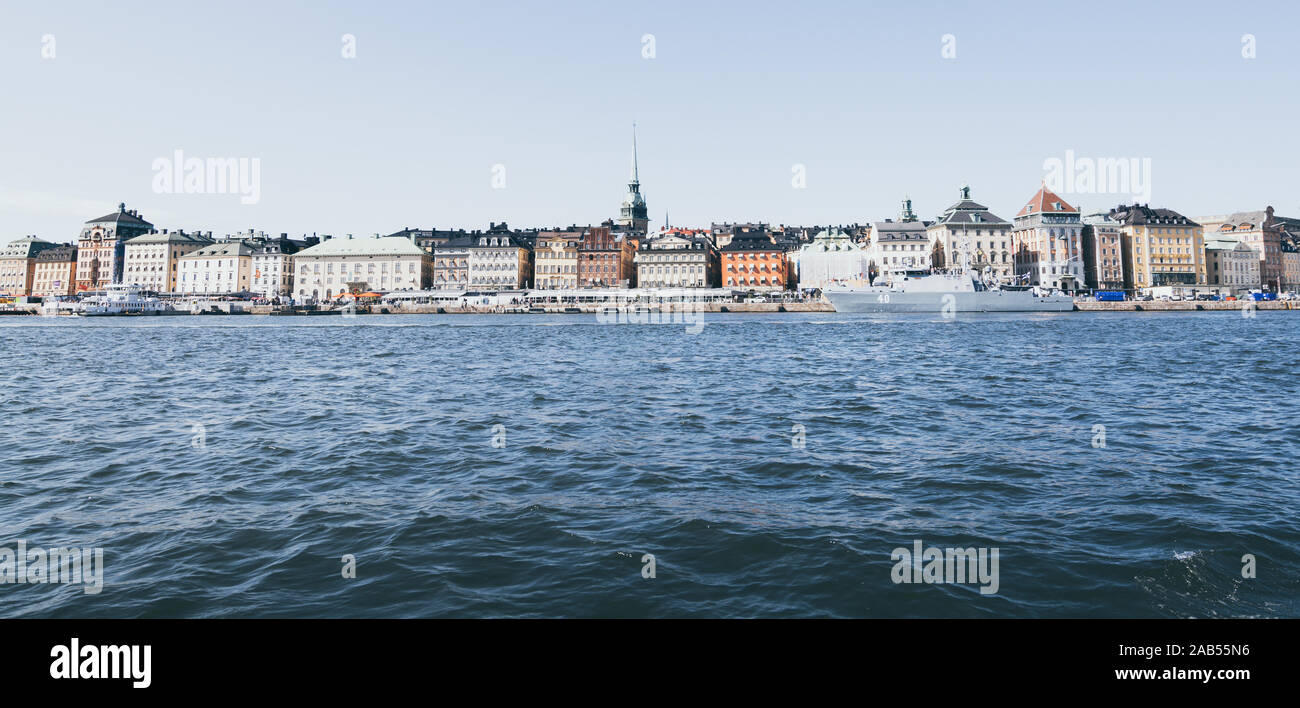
x=968 y=235
x=56 y=272
x=220 y=268
x=1232 y=265
x=1047 y=243
x=498 y=260
x=1162 y=246
x=152 y=261
x=555 y=260
x=677 y=258
x=18 y=265
x=346 y=264
x=1290 y=270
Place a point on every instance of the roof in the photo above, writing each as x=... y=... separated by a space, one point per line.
x=172 y=237
x=58 y=254
x=223 y=248
x=1047 y=202
x=748 y=241
x=121 y=216
x=348 y=246
x=1143 y=215
x=26 y=247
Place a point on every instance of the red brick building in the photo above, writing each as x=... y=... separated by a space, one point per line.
x=605 y=258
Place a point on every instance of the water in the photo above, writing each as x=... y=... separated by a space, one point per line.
x=227 y=464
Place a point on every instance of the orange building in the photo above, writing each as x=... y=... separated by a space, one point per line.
x=753 y=261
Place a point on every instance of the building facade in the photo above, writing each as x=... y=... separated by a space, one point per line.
x=337 y=266
x=101 y=247
x=1231 y=265
x=1103 y=254
x=220 y=268
x=451 y=264
x=1161 y=247
x=752 y=260
x=152 y=261
x=1047 y=243
x=18 y=265
x=555 y=259
x=829 y=257
x=1260 y=230
x=273 y=272
x=56 y=272
x=498 y=261
x=606 y=258
x=677 y=258
x=1290 y=268
x=968 y=235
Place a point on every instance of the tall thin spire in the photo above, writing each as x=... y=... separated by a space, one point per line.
x=634 y=171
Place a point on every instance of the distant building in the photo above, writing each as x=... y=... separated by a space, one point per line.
x=1290 y=268
x=633 y=215
x=1260 y=230
x=18 y=265
x=1047 y=243
x=833 y=256
x=220 y=268
x=555 y=259
x=967 y=233
x=451 y=263
x=101 y=247
x=677 y=258
x=498 y=261
x=1103 y=253
x=273 y=272
x=895 y=246
x=1231 y=264
x=152 y=260
x=605 y=258
x=752 y=260
x=56 y=272
x=1161 y=247
x=353 y=265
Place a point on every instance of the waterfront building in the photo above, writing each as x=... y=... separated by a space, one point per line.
x=220 y=268
x=498 y=260
x=273 y=272
x=1103 y=255
x=55 y=272
x=634 y=215
x=606 y=257
x=1047 y=243
x=1231 y=264
x=431 y=239
x=152 y=260
x=968 y=233
x=892 y=246
x=451 y=263
x=1290 y=268
x=354 y=265
x=18 y=265
x=752 y=260
x=555 y=259
x=1161 y=247
x=831 y=256
x=101 y=247
x=677 y=258
x=1260 y=230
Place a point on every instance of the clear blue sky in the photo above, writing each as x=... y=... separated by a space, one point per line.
x=406 y=133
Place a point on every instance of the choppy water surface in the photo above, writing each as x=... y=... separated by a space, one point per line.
x=226 y=464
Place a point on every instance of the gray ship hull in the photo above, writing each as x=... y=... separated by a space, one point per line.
x=885 y=300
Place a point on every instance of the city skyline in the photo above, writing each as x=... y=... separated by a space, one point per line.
x=550 y=98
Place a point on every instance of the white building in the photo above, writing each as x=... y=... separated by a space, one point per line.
x=346 y=264
x=152 y=261
x=273 y=266
x=221 y=268
x=1232 y=265
x=830 y=256
x=969 y=235
x=1048 y=243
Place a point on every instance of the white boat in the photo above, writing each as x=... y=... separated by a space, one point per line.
x=923 y=291
x=54 y=305
x=120 y=300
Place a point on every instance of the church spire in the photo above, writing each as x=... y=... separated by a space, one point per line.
x=635 y=179
x=633 y=215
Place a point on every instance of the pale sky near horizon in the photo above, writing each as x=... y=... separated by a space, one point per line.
x=736 y=95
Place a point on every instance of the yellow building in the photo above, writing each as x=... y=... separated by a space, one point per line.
x=56 y=272
x=1161 y=247
x=555 y=260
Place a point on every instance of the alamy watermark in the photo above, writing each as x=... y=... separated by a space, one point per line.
x=1125 y=176
x=936 y=565
x=214 y=175
x=65 y=566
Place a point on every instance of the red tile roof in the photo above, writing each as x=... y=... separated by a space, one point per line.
x=1045 y=201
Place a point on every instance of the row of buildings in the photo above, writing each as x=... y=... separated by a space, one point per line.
x=1048 y=242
